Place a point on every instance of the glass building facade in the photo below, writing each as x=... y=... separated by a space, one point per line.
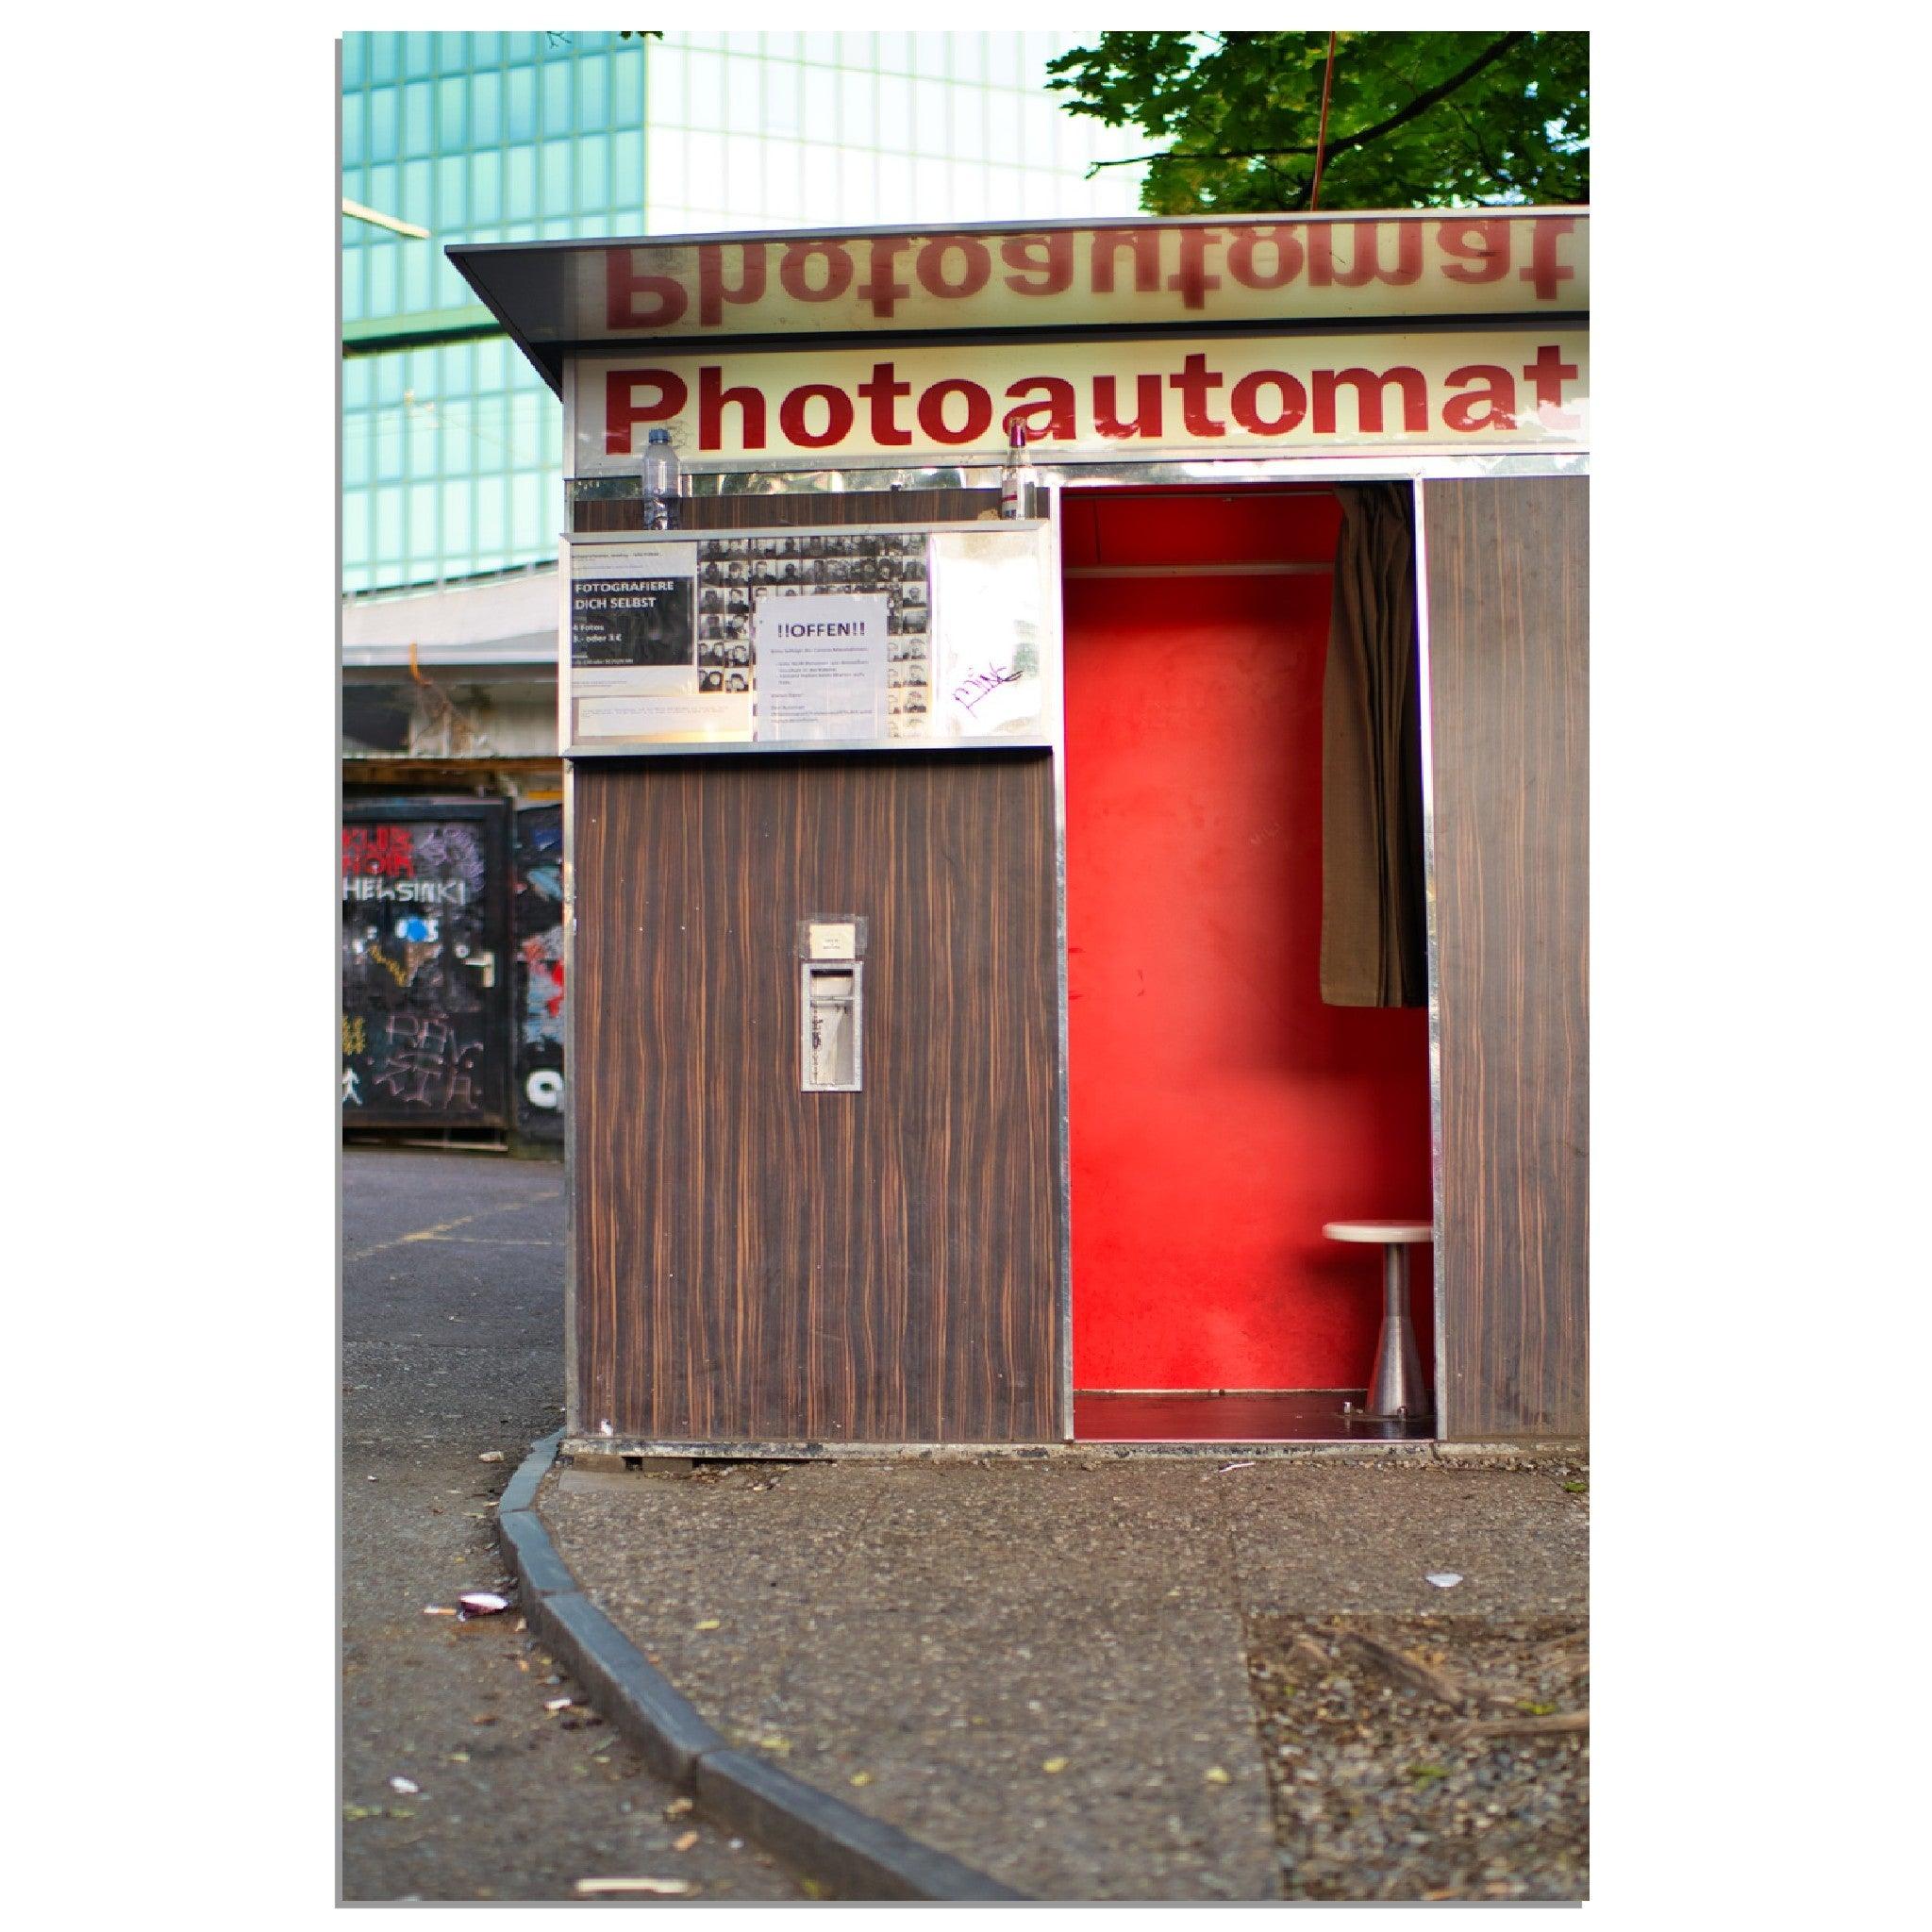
x=450 y=450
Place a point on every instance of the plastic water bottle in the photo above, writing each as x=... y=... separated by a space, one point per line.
x=663 y=482
x=1017 y=485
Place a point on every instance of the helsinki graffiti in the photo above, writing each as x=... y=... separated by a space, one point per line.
x=414 y=1019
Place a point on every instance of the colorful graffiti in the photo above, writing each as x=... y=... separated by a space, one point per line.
x=539 y=988
x=422 y=1033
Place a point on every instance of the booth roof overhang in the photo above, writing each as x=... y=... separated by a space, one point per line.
x=1405 y=271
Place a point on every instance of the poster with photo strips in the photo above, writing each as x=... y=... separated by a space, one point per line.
x=734 y=571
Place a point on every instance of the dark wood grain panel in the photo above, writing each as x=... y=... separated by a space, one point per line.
x=746 y=511
x=754 y=1262
x=1508 y=605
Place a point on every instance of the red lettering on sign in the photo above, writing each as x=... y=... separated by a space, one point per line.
x=623 y=287
x=713 y=398
x=1245 y=402
x=623 y=412
x=836 y=270
x=713 y=292
x=1191 y=278
x=1549 y=373
x=1106 y=416
x=1057 y=405
x=1544 y=270
x=883 y=393
x=1365 y=260
x=1484 y=258
x=1050 y=257
x=1496 y=399
x=838 y=415
x=932 y=410
x=883 y=290
x=1193 y=382
x=1368 y=387
x=932 y=265
x=1286 y=248
x=1145 y=245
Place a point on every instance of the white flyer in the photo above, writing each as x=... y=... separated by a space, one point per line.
x=822 y=668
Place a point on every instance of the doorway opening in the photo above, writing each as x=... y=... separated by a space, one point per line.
x=1220 y=1112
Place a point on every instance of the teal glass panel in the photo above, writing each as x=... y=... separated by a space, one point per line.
x=420 y=53
x=594 y=91
x=419 y=263
x=459 y=499
x=451 y=115
x=452 y=53
x=389 y=381
x=389 y=523
x=594 y=171
x=628 y=86
x=382 y=280
x=527 y=511
x=354 y=285
x=358 y=383
x=523 y=47
x=355 y=451
x=627 y=174
x=452 y=216
x=382 y=192
x=419 y=100
x=418 y=186
x=385 y=442
x=556 y=95
x=355 y=535
x=382 y=123
x=355 y=59
x=557 y=174
x=355 y=130
x=486 y=50
x=492 y=502
x=521 y=199
x=486 y=109
x=383 y=56
x=485 y=188
x=522 y=103
x=455 y=368
x=424 y=545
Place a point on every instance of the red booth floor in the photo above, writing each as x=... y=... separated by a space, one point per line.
x=1291 y=1415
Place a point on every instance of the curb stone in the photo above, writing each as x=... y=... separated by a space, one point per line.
x=859 y=1855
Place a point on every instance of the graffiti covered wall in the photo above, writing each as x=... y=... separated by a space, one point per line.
x=537 y=970
x=421 y=1033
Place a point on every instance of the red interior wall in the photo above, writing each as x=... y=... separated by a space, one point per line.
x=1220 y=1112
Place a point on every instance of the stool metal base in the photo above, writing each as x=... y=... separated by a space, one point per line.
x=1398 y=1388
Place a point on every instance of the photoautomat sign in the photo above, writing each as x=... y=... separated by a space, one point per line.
x=1311 y=270
x=1463 y=392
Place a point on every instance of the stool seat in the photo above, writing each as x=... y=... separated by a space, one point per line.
x=1395 y=1388
x=1381 y=1232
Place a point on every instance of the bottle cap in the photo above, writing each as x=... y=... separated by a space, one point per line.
x=659 y=436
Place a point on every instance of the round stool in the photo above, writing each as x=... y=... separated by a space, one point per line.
x=1397 y=1388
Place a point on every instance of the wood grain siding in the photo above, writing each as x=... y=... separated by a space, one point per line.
x=754 y=1262
x=1507 y=608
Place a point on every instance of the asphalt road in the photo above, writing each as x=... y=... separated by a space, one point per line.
x=452 y=1347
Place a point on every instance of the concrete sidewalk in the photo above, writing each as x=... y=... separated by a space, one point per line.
x=1074 y=1675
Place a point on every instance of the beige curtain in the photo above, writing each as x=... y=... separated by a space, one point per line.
x=1372 y=917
